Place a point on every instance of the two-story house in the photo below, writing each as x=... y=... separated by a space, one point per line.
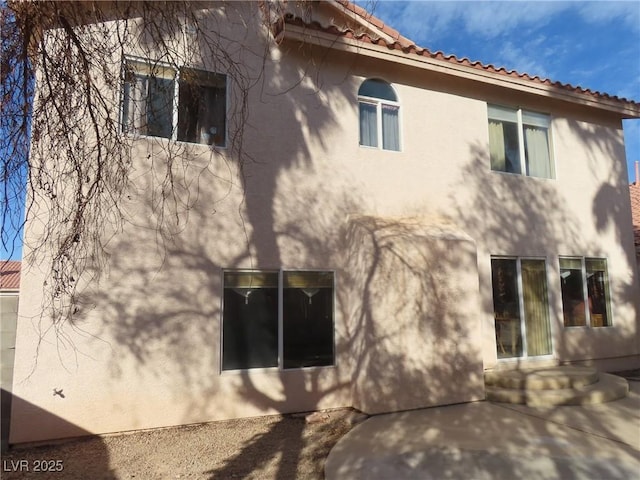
x=378 y=227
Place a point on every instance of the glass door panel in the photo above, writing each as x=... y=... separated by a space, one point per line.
x=521 y=307
x=506 y=305
x=536 y=310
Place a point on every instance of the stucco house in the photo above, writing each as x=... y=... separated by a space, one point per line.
x=406 y=221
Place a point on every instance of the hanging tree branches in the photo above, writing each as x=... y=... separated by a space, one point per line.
x=63 y=146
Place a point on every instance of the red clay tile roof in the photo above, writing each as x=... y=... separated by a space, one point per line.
x=9 y=275
x=634 y=191
x=405 y=46
x=375 y=21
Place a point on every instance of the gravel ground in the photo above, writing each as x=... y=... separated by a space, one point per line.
x=278 y=447
x=273 y=447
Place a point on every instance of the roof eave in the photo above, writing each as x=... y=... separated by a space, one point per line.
x=368 y=21
x=343 y=43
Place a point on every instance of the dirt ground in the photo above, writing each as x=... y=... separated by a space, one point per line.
x=278 y=447
x=273 y=447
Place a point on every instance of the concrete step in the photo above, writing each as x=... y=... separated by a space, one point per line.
x=548 y=378
x=608 y=388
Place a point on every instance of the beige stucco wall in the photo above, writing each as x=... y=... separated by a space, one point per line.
x=145 y=351
x=416 y=336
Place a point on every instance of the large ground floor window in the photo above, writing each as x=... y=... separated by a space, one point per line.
x=521 y=307
x=585 y=292
x=277 y=319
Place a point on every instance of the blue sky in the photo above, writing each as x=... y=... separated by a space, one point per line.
x=594 y=45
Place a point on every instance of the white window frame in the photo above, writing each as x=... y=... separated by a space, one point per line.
x=525 y=350
x=147 y=67
x=585 y=291
x=520 y=112
x=378 y=103
x=280 y=366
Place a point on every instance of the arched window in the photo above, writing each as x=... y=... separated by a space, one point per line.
x=379 y=115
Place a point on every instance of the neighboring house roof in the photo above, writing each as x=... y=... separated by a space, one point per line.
x=9 y=275
x=402 y=45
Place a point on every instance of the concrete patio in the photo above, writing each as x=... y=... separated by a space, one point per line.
x=485 y=440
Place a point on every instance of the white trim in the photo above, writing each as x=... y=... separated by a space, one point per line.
x=585 y=292
x=552 y=149
x=379 y=102
x=147 y=67
x=520 y=113
x=521 y=149
x=523 y=326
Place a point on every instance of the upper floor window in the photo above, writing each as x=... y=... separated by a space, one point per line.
x=519 y=142
x=187 y=104
x=379 y=115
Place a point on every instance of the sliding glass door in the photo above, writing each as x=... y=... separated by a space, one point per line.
x=521 y=307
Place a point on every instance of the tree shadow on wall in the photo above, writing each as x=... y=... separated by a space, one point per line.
x=274 y=203
x=160 y=304
x=413 y=350
x=281 y=204
x=522 y=216
x=516 y=215
x=604 y=160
